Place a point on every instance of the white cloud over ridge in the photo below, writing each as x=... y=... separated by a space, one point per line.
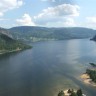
x=61 y=14
x=60 y=10
x=6 y=5
x=26 y=20
x=58 y=16
x=66 y=22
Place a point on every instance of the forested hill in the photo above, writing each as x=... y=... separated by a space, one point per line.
x=9 y=37
x=8 y=44
x=29 y=33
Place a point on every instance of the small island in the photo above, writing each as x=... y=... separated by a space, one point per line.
x=71 y=92
x=89 y=77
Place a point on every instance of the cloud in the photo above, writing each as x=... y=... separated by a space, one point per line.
x=91 y=20
x=61 y=13
x=58 y=16
x=1 y=14
x=66 y=22
x=25 y=20
x=56 y=22
x=6 y=5
x=60 y=10
x=69 y=22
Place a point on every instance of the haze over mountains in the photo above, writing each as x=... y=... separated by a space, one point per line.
x=29 y=33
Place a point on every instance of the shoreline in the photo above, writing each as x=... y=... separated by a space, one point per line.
x=87 y=80
x=6 y=51
x=68 y=94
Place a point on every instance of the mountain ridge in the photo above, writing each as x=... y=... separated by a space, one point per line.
x=33 y=33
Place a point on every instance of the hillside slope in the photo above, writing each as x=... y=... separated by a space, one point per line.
x=29 y=33
x=8 y=44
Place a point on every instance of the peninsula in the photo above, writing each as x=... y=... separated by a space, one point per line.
x=8 y=44
x=89 y=77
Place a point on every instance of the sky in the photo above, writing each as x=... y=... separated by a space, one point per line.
x=48 y=13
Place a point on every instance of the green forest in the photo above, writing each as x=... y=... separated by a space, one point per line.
x=71 y=93
x=92 y=74
x=8 y=44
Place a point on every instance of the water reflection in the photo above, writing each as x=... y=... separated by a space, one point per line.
x=46 y=69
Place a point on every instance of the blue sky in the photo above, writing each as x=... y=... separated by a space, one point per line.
x=48 y=13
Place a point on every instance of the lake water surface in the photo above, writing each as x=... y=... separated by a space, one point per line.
x=47 y=68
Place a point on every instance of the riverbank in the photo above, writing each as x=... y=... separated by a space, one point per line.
x=7 y=51
x=66 y=93
x=87 y=80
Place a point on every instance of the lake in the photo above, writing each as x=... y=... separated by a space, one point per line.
x=47 y=68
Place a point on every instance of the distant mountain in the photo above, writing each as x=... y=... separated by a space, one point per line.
x=8 y=44
x=10 y=39
x=29 y=33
